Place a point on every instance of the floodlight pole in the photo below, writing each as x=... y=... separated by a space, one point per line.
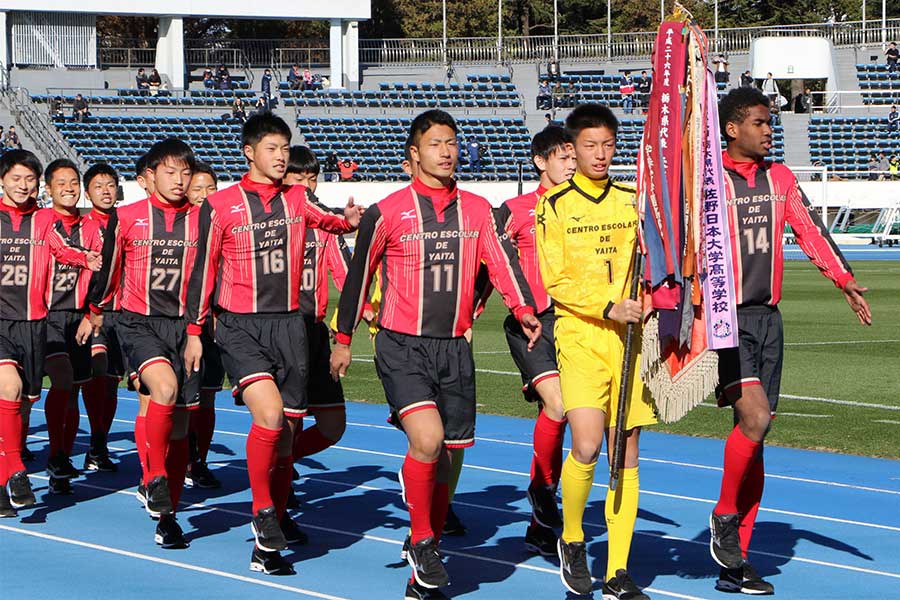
x=883 y=24
x=716 y=33
x=499 y=32
x=608 y=29
x=864 y=22
x=555 y=32
x=444 y=45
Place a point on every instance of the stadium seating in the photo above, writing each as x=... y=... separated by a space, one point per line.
x=127 y=97
x=877 y=84
x=845 y=144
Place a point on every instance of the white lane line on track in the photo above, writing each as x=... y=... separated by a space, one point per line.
x=170 y=563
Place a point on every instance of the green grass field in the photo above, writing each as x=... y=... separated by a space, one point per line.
x=828 y=356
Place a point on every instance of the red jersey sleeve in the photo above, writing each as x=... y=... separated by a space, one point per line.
x=62 y=251
x=105 y=282
x=371 y=241
x=337 y=260
x=504 y=271
x=326 y=221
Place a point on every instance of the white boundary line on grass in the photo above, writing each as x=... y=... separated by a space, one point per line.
x=170 y=563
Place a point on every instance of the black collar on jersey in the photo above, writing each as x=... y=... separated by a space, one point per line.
x=606 y=189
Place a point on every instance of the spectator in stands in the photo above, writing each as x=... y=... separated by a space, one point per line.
x=209 y=80
x=775 y=111
x=155 y=82
x=262 y=104
x=266 y=84
x=873 y=168
x=11 y=141
x=893 y=164
x=1 y=140
x=746 y=79
x=238 y=110
x=224 y=82
x=803 y=102
x=222 y=73
x=770 y=88
x=295 y=78
x=56 y=108
x=571 y=95
x=722 y=74
x=307 y=79
x=893 y=119
x=330 y=168
x=892 y=54
x=321 y=82
x=626 y=90
x=549 y=120
x=544 y=98
x=79 y=109
x=348 y=169
x=474 y=149
x=884 y=166
x=557 y=94
x=643 y=91
x=553 y=69
x=141 y=80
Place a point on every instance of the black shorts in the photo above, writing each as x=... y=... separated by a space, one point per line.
x=107 y=341
x=266 y=346
x=153 y=340
x=420 y=373
x=62 y=325
x=538 y=364
x=212 y=373
x=23 y=344
x=323 y=391
x=757 y=359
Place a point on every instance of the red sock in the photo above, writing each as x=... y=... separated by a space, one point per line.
x=140 y=442
x=440 y=503
x=94 y=394
x=176 y=465
x=261 y=444
x=310 y=441
x=55 y=407
x=203 y=422
x=159 y=430
x=11 y=438
x=73 y=419
x=740 y=452
x=748 y=501
x=546 y=464
x=281 y=483
x=111 y=402
x=418 y=481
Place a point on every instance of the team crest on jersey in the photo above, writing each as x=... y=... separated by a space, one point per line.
x=408 y=214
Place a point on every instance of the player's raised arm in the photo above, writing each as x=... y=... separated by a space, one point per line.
x=325 y=220
x=66 y=254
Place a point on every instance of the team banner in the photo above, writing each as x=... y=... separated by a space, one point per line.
x=684 y=229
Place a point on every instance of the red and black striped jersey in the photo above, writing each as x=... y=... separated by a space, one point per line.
x=28 y=239
x=761 y=197
x=251 y=259
x=325 y=252
x=149 y=249
x=68 y=284
x=101 y=220
x=429 y=243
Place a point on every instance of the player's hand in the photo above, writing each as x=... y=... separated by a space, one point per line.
x=853 y=293
x=353 y=213
x=368 y=315
x=193 y=352
x=340 y=360
x=86 y=331
x=94 y=260
x=468 y=335
x=532 y=328
x=626 y=311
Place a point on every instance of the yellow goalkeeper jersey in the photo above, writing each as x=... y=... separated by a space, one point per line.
x=585 y=233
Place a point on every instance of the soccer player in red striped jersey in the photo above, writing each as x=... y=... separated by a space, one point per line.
x=430 y=239
x=28 y=240
x=150 y=245
x=761 y=198
x=204 y=183
x=553 y=156
x=249 y=269
x=101 y=184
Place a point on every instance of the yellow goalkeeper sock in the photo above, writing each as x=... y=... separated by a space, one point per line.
x=576 y=482
x=621 y=514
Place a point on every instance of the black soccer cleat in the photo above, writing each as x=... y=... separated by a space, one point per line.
x=7 y=510
x=573 y=567
x=621 y=587
x=20 y=492
x=295 y=474
x=292 y=501
x=452 y=525
x=99 y=462
x=267 y=531
x=59 y=486
x=414 y=591
x=61 y=467
x=744 y=580
x=724 y=542
x=169 y=534
x=141 y=493
x=270 y=563
x=544 y=508
x=159 y=501
x=404 y=551
x=292 y=532
x=428 y=569
x=199 y=475
x=540 y=540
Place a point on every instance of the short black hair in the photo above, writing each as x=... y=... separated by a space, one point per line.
x=407 y=144
x=588 y=116
x=202 y=167
x=547 y=141
x=426 y=121
x=302 y=160
x=170 y=149
x=140 y=165
x=56 y=165
x=734 y=105
x=20 y=157
x=262 y=124
x=100 y=169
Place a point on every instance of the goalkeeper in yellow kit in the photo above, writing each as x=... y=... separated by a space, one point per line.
x=585 y=231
